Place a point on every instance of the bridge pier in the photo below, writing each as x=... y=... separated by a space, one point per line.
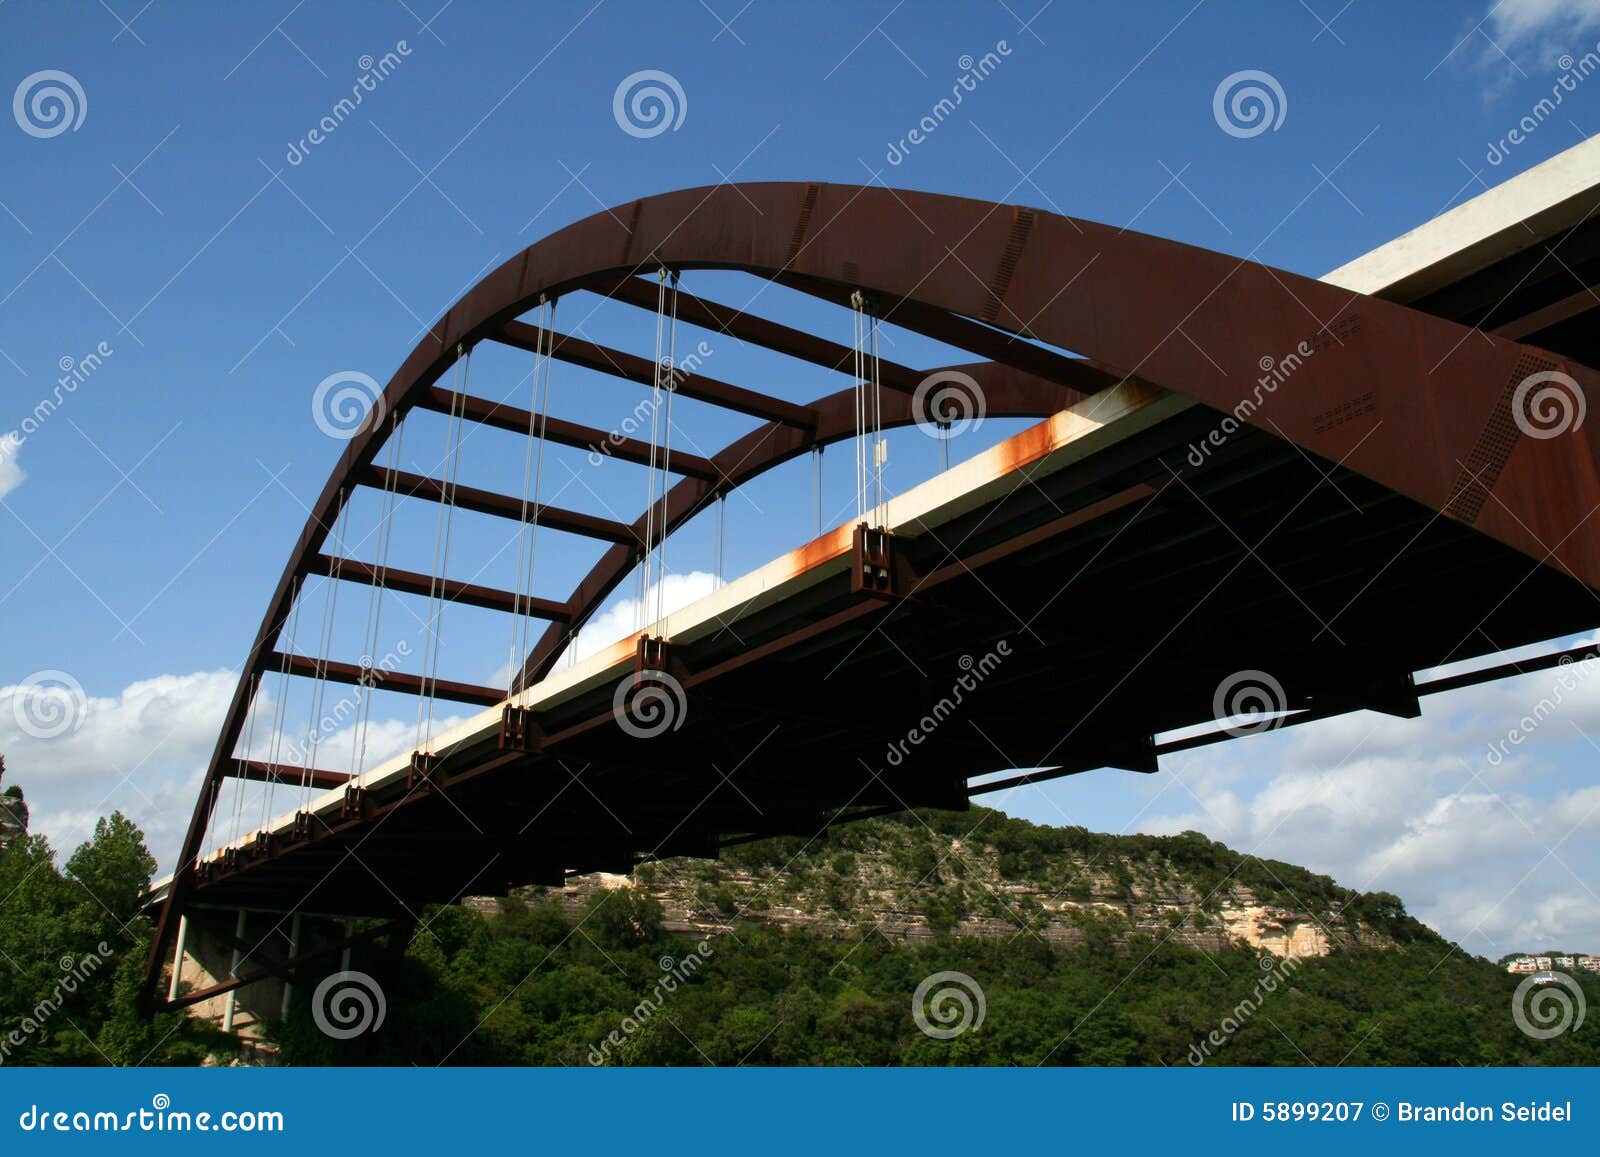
x=214 y=946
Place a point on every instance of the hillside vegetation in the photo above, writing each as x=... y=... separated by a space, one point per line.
x=602 y=974
x=930 y=939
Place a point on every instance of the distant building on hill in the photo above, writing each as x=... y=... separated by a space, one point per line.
x=1522 y=964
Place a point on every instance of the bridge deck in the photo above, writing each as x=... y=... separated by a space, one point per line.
x=1072 y=590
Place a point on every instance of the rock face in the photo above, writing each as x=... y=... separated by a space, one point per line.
x=13 y=812
x=912 y=885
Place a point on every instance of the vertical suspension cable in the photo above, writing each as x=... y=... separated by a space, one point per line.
x=663 y=382
x=330 y=602
x=532 y=475
x=666 y=452
x=880 y=448
x=856 y=307
x=650 y=481
x=251 y=713
x=370 y=635
x=719 y=538
x=280 y=714
x=441 y=553
x=816 y=486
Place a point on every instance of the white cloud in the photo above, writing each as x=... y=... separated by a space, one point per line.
x=140 y=751
x=11 y=473
x=1497 y=855
x=1549 y=27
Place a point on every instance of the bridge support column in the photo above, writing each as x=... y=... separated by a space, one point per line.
x=232 y=999
x=294 y=950
x=177 y=959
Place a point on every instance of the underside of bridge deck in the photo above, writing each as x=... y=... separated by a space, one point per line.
x=1089 y=609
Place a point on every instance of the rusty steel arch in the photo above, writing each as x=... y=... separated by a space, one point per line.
x=1015 y=286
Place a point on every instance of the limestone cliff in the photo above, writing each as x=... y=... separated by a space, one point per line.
x=982 y=874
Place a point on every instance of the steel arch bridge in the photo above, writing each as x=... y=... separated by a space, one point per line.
x=1376 y=505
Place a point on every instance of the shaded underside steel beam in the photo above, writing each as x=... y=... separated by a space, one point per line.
x=409 y=485
x=631 y=367
x=502 y=416
x=282 y=773
x=1427 y=687
x=356 y=675
x=772 y=335
x=448 y=590
x=1081 y=374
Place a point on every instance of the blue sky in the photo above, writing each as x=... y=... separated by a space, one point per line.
x=145 y=521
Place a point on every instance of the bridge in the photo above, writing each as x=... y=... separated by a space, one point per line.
x=1246 y=494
